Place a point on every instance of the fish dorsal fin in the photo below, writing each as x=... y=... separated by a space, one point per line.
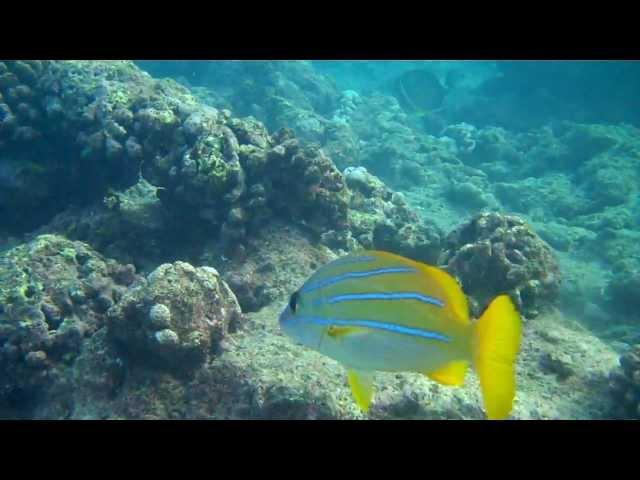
x=361 y=383
x=455 y=297
x=451 y=374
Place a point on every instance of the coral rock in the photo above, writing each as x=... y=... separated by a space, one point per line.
x=494 y=253
x=50 y=291
x=624 y=384
x=176 y=318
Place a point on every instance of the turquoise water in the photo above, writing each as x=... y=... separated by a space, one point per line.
x=517 y=177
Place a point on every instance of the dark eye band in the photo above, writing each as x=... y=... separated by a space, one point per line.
x=293 y=301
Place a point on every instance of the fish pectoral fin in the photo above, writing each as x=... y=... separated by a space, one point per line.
x=340 y=332
x=361 y=383
x=451 y=374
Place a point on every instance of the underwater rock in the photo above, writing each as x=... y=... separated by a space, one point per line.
x=175 y=319
x=464 y=136
x=562 y=237
x=616 y=239
x=261 y=374
x=557 y=365
x=161 y=160
x=624 y=385
x=110 y=231
x=489 y=145
x=359 y=179
x=495 y=253
x=276 y=261
x=553 y=194
x=375 y=132
x=281 y=94
x=138 y=206
x=342 y=145
x=608 y=171
x=42 y=327
x=82 y=114
x=302 y=185
x=468 y=194
x=381 y=219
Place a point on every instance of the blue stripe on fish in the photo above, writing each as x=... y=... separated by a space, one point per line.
x=389 y=327
x=387 y=296
x=346 y=276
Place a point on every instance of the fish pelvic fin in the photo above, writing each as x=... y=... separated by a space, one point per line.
x=451 y=374
x=496 y=343
x=337 y=332
x=361 y=383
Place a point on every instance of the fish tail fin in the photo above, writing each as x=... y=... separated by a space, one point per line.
x=496 y=342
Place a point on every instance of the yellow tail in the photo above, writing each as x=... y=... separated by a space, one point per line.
x=496 y=344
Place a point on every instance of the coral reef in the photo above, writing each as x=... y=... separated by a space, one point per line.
x=130 y=226
x=114 y=122
x=54 y=293
x=494 y=253
x=260 y=374
x=279 y=94
x=191 y=171
x=624 y=384
x=77 y=330
x=275 y=262
x=577 y=185
x=381 y=219
x=377 y=135
x=175 y=318
x=199 y=215
x=138 y=362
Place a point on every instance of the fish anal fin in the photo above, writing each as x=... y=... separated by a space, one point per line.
x=451 y=374
x=361 y=383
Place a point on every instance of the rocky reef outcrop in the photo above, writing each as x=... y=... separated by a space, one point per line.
x=380 y=218
x=103 y=124
x=624 y=385
x=75 y=326
x=494 y=253
x=156 y=163
x=205 y=222
x=175 y=318
x=54 y=294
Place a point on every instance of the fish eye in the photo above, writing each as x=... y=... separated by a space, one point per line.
x=293 y=301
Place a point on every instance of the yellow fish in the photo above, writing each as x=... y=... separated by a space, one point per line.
x=376 y=311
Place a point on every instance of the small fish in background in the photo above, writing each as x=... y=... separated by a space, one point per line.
x=376 y=311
